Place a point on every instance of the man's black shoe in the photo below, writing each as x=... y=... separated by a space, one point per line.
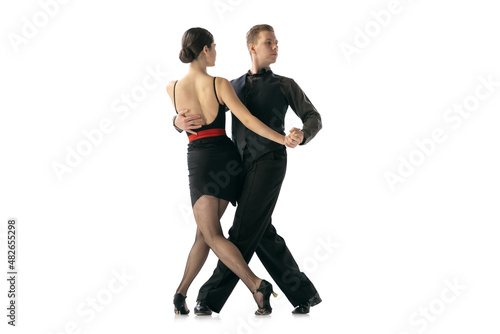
x=302 y=309
x=305 y=307
x=202 y=308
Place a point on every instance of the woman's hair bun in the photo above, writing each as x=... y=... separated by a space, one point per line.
x=186 y=55
x=193 y=42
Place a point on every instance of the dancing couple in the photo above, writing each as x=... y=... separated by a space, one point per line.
x=249 y=171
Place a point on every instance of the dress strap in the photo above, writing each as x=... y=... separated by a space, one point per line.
x=175 y=105
x=215 y=91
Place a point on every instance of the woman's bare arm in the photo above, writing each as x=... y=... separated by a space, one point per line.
x=229 y=97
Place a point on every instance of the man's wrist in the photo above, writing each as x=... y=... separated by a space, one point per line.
x=303 y=138
x=175 y=126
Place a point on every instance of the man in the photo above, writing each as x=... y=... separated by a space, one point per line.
x=267 y=96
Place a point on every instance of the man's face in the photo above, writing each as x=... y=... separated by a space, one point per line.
x=266 y=48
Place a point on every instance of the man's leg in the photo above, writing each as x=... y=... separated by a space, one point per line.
x=253 y=215
x=279 y=262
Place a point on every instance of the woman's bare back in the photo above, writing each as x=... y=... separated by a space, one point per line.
x=196 y=94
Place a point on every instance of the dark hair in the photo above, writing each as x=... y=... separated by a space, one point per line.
x=254 y=32
x=193 y=42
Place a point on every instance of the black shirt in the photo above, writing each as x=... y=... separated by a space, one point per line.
x=267 y=96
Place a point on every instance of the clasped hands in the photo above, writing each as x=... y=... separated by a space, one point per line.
x=191 y=123
x=295 y=137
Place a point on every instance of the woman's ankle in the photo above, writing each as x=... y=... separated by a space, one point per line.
x=257 y=284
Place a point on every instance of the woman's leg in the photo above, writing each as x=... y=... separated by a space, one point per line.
x=197 y=256
x=207 y=212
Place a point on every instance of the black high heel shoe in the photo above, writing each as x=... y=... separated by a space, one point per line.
x=266 y=289
x=179 y=301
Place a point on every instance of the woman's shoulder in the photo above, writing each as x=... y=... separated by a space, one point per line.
x=221 y=82
x=222 y=79
x=170 y=85
x=170 y=88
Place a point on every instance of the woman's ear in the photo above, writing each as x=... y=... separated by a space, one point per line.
x=205 y=50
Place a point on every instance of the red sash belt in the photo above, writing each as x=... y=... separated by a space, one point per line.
x=208 y=133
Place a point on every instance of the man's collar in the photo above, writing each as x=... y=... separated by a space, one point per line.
x=261 y=72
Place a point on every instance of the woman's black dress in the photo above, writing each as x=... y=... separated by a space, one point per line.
x=214 y=163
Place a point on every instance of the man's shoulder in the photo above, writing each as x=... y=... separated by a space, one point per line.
x=238 y=79
x=283 y=79
x=286 y=82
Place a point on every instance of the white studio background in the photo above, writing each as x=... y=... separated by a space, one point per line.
x=408 y=91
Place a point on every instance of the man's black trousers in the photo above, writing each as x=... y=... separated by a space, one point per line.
x=252 y=232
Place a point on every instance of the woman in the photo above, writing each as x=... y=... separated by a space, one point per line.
x=213 y=164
